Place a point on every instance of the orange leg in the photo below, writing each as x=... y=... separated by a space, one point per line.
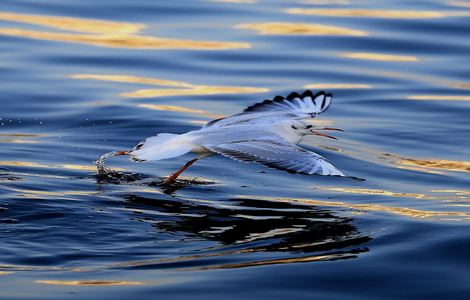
x=118 y=153
x=170 y=180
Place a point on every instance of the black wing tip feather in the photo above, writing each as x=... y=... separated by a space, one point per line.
x=290 y=97
x=293 y=95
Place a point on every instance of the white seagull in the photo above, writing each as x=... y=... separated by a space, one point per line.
x=266 y=133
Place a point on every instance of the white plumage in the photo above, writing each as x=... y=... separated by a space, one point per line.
x=264 y=133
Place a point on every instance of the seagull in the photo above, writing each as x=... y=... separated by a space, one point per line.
x=266 y=133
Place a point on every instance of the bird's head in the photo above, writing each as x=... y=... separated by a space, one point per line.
x=301 y=129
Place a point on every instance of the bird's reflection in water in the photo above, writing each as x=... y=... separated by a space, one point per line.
x=248 y=232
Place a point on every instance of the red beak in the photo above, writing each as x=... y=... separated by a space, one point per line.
x=331 y=128
x=322 y=134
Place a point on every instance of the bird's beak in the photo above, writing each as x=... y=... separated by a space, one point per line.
x=313 y=132
x=331 y=128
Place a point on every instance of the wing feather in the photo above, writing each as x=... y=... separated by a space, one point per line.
x=294 y=106
x=276 y=153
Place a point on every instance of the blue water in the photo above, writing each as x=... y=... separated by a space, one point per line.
x=80 y=78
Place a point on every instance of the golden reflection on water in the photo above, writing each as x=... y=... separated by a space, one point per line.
x=51 y=166
x=198 y=122
x=461 y=85
x=5 y=273
x=123 y=41
x=277 y=28
x=326 y=2
x=199 y=90
x=456 y=192
x=420 y=169
x=402 y=211
x=184 y=88
x=459 y=3
x=181 y=109
x=268 y=234
x=377 y=13
x=32 y=194
x=18 y=141
x=19 y=138
x=172 y=108
x=104 y=34
x=440 y=97
x=21 y=135
x=379 y=56
x=337 y=86
x=463 y=166
x=312 y=258
x=89 y=282
x=428 y=165
x=133 y=79
x=374 y=192
x=74 y=24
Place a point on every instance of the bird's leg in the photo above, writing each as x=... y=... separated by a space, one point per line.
x=172 y=178
x=119 y=153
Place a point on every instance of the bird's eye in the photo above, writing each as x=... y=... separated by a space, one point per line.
x=293 y=127
x=309 y=126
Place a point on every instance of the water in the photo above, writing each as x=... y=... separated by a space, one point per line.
x=81 y=78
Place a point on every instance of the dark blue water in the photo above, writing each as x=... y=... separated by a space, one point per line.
x=81 y=78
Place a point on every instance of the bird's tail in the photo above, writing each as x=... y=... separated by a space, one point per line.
x=161 y=146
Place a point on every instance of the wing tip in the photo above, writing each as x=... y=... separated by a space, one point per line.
x=295 y=95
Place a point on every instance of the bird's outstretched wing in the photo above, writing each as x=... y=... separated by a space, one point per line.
x=274 y=152
x=294 y=106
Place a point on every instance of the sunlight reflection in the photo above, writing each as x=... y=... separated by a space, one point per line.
x=403 y=211
x=440 y=97
x=172 y=108
x=376 y=13
x=74 y=24
x=312 y=258
x=199 y=90
x=133 y=79
x=51 y=166
x=456 y=192
x=17 y=141
x=37 y=194
x=181 y=109
x=198 y=122
x=379 y=56
x=459 y=3
x=185 y=89
x=277 y=28
x=19 y=138
x=463 y=166
x=428 y=165
x=21 y=135
x=337 y=86
x=326 y=2
x=104 y=34
x=5 y=272
x=374 y=192
x=89 y=282
x=461 y=85
x=420 y=169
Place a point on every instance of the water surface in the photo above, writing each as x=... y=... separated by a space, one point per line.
x=80 y=79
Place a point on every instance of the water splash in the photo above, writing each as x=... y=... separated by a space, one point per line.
x=101 y=164
x=106 y=174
